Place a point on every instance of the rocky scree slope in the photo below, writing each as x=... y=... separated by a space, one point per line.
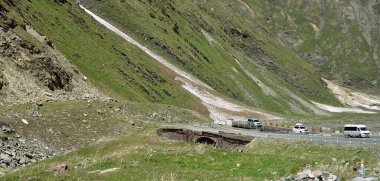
x=36 y=71
x=29 y=133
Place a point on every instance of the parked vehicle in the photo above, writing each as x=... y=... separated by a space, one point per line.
x=254 y=122
x=356 y=130
x=299 y=128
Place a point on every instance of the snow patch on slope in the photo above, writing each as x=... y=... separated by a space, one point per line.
x=208 y=37
x=352 y=98
x=145 y=49
x=219 y=108
x=342 y=109
x=266 y=89
x=215 y=104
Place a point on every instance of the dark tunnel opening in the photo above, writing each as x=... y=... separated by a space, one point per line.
x=205 y=140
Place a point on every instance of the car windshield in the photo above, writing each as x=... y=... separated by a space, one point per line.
x=364 y=129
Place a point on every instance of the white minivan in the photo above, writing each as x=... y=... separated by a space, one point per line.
x=356 y=130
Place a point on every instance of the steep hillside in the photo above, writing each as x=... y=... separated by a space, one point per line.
x=34 y=71
x=85 y=72
x=219 y=43
x=98 y=54
x=341 y=38
x=227 y=54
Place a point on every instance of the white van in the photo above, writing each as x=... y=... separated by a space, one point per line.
x=356 y=130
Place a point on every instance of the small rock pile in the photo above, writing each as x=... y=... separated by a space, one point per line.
x=312 y=176
x=7 y=128
x=15 y=152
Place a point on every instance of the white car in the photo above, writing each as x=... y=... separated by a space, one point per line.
x=254 y=122
x=299 y=128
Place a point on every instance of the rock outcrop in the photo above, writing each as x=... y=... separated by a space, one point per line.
x=30 y=72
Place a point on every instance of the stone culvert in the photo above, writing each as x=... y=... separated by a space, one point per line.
x=218 y=140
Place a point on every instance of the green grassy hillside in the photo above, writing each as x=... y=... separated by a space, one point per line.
x=212 y=40
x=250 y=52
x=341 y=38
x=112 y=65
x=174 y=29
x=145 y=156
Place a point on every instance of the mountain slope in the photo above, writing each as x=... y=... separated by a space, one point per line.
x=33 y=71
x=99 y=54
x=217 y=42
x=341 y=38
x=224 y=63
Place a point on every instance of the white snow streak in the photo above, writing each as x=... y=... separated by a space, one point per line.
x=208 y=37
x=341 y=109
x=196 y=87
x=145 y=49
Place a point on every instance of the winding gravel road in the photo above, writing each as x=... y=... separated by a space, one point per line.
x=326 y=139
